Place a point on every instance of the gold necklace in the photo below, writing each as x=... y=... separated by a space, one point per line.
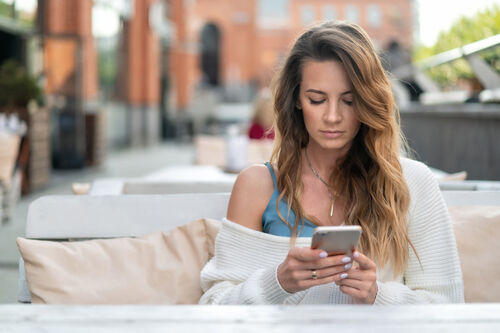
x=332 y=197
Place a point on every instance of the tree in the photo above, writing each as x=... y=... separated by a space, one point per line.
x=464 y=31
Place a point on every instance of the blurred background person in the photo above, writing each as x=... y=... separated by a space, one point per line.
x=261 y=126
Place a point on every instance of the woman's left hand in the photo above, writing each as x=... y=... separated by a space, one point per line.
x=361 y=282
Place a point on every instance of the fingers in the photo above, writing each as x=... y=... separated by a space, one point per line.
x=351 y=291
x=340 y=261
x=322 y=273
x=307 y=254
x=308 y=283
x=353 y=283
x=362 y=291
x=296 y=272
x=317 y=259
x=363 y=261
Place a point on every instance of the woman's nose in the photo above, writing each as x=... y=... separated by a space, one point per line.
x=332 y=113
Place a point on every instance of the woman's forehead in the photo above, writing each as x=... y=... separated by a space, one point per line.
x=324 y=76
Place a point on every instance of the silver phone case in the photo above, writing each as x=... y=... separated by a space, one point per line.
x=336 y=240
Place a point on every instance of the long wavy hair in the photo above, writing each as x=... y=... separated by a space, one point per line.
x=369 y=177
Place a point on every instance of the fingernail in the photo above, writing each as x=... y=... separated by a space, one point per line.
x=348 y=266
x=356 y=254
x=343 y=275
x=323 y=255
x=346 y=259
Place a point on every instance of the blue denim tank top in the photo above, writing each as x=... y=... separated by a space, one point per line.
x=271 y=222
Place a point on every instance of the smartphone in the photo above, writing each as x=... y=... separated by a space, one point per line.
x=336 y=240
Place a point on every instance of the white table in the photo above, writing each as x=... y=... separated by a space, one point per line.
x=209 y=178
x=315 y=319
x=175 y=179
x=191 y=173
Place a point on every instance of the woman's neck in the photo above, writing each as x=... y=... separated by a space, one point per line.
x=322 y=160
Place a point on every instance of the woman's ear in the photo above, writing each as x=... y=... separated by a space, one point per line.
x=298 y=105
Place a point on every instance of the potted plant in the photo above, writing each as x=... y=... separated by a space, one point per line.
x=17 y=89
x=21 y=95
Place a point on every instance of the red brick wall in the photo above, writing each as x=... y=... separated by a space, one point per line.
x=393 y=27
x=142 y=58
x=254 y=52
x=67 y=25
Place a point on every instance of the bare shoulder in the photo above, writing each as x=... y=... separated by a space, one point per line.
x=251 y=193
x=255 y=177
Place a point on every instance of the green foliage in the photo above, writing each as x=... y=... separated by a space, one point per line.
x=17 y=87
x=5 y=9
x=464 y=31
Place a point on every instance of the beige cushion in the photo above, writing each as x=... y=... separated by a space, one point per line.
x=162 y=267
x=477 y=230
x=211 y=150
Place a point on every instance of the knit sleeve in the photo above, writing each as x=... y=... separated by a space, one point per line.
x=242 y=271
x=261 y=287
x=437 y=278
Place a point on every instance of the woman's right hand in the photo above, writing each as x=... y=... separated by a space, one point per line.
x=304 y=268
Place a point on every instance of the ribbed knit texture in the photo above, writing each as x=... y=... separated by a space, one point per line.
x=243 y=269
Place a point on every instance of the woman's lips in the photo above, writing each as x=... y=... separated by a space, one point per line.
x=332 y=134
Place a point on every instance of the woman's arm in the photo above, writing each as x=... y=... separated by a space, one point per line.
x=251 y=193
x=244 y=269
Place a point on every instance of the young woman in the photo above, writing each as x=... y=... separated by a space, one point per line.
x=336 y=161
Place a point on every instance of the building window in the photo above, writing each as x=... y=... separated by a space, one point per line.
x=351 y=14
x=273 y=13
x=307 y=16
x=329 y=13
x=374 y=16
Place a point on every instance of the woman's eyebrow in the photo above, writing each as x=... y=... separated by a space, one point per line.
x=323 y=93
x=316 y=91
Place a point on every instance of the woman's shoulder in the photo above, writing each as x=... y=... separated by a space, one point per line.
x=256 y=176
x=251 y=193
x=420 y=180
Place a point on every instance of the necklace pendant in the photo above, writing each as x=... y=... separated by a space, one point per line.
x=331 y=209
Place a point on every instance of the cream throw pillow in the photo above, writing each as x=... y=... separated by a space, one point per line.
x=477 y=230
x=159 y=268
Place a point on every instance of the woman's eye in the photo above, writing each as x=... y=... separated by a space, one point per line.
x=348 y=102
x=315 y=101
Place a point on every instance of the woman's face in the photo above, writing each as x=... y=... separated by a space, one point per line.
x=326 y=100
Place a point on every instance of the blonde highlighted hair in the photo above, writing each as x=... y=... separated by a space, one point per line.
x=263 y=109
x=370 y=177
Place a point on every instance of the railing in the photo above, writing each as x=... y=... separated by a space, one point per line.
x=432 y=94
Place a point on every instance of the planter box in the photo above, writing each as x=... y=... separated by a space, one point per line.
x=39 y=161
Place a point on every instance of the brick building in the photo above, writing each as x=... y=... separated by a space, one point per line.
x=251 y=37
x=218 y=43
x=70 y=66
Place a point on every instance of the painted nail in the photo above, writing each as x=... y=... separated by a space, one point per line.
x=323 y=255
x=348 y=266
x=356 y=254
x=346 y=259
x=343 y=275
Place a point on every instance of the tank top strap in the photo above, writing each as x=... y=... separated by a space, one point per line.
x=271 y=170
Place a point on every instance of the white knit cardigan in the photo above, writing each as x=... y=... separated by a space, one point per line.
x=243 y=269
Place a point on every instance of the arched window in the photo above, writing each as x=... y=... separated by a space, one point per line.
x=210 y=51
